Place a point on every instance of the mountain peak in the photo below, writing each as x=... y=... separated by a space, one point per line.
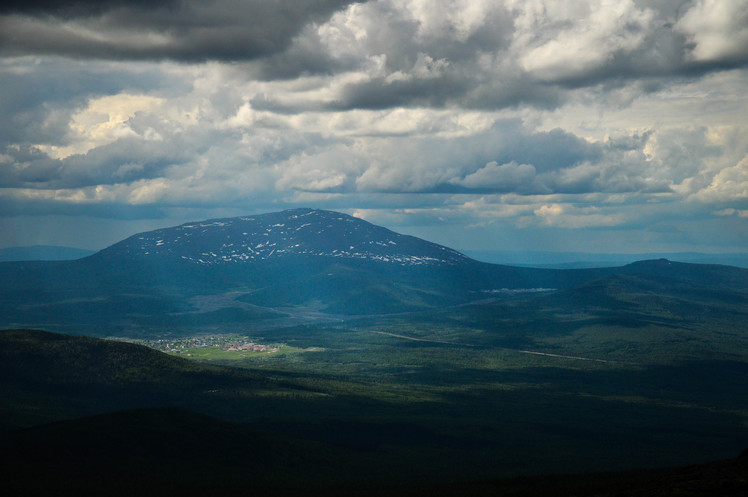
x=293 y=232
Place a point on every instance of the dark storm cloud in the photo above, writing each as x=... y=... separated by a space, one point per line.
x=305 y=56
x=460 y=87
x=77 y=8
x=180 y=30
x=123 y=161
x=378 y=94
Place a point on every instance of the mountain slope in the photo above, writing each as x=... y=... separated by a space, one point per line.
x=155 y=452
x=47 y=376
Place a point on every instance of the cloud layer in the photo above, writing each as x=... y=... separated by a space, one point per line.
x=513 y=116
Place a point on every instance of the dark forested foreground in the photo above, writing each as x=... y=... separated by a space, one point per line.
x=176 y=452
x=377 y=415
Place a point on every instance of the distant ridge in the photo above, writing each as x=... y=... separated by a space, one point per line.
x=43 y=253
x=581 y=260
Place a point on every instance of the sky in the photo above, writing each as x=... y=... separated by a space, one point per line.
x=616 y=126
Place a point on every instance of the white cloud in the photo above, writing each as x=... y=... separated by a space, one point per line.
x=732 y=212
x=569 y=216
x=104 y=121
x=560 y=40
x=491 y=208
x=717 y=28
x=327 y=170
x=728 y=184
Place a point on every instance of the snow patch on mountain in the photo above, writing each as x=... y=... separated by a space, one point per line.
x=297 y=232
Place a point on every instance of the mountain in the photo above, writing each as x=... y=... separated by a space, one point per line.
x=42 y=253
x=274 y=270
x=278 y=235
x=282 y=267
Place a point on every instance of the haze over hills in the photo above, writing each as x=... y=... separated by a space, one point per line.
x=266 y=270
x=577 y=260
x=43 y=253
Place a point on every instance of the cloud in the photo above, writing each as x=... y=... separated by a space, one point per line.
x=122 y=161
x=574 y=41
x=495 y=177
x=513 y=116
x=76 y=8
x=139 y=30
x=716 y=30
x=463 y=164
x=331 y=170
x=221 y=157
x=40 y=97
x=729 y=184
x=506 y=54
x=567 y=216
x=732 y=212
x=387 y=54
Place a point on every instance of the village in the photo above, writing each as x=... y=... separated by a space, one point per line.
x=221 y=342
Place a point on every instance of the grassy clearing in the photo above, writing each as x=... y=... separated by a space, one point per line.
x=222 y=356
